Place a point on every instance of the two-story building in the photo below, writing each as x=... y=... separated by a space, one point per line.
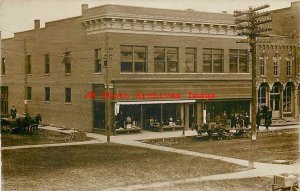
x=158 y=63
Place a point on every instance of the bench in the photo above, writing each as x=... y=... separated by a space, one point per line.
x=129 y=130
x=172 y=127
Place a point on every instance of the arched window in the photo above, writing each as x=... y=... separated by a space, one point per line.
x=289 y=63
x=276 y=63
x=287 y=99
x=263 y=63
x=262 y=98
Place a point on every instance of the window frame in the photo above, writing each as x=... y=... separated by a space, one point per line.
x=47 y=94
x=3 y=66
x=47 y=63
x=194 y=53
x=29 y=93
x=166 y=62
x=68 y=95
x=97 y=60
x=28 y=64
x=133 y=61
x=213 y=59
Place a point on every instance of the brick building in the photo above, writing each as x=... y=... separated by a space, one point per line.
x=161 y=63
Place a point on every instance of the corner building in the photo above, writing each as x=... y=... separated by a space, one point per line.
x=158 y=64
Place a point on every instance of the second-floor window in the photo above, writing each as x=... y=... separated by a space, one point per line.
x=28 y=64
x=190 y=59
x=47 y=93
x=238 y=61
x=3 y=66
x=29 y=93
x=133 y=58
x=288 y=67
x=262 y=64
x=166 y=59
x=289 y=64
x=276 y=61
x=47 y=64
x=97 y=54
x=213 y=60
x=67 y=61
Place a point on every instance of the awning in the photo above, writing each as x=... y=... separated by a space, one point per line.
x=153 y=102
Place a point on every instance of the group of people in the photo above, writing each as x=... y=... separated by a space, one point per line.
x=266 y=114
x=239 y=120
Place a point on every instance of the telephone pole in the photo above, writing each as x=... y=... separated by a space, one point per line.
x=107 y=56
x=252 y=24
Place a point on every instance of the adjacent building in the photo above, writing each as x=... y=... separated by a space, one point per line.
x=147 y=63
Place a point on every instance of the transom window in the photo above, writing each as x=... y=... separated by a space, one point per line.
x=166 y=59
x=190 y=59
x=213 y=60
x=238 y=61
x=133 y=58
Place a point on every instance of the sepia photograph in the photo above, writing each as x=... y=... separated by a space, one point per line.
x=152 y=95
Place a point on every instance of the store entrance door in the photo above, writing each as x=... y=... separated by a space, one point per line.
x=99 y=114
x=275 y=104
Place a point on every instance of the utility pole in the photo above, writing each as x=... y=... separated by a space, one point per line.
x=107 y=56
x=252 y=24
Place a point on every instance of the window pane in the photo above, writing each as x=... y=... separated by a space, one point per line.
x=207 y=51
x=126 y=48
x=126 y=67
x=233 y=68
x=172 y=50
x=207 y=68
x=159 y=67
x=217 y=51
x=190 y=57
x=140 y=48
x=243 y=64
x=138 y=56
x=172 y=57
x=47 y=94
x=233 y=51
x=126 y=56
x=159 y=56
x=140 y=66
x=189 y=67
x=172 y=66
x=28 y=93
x=159 y=49
x=97 y=65
x=190 y=50
x=68 y=95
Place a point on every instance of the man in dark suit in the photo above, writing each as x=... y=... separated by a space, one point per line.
x=13 y=112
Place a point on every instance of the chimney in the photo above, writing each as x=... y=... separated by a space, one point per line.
x=37 y=24
x=84 y=7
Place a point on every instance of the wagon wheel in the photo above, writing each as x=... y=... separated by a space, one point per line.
x=295 y=187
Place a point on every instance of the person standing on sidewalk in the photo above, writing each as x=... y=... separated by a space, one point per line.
x=268 y=119
x=13 y=112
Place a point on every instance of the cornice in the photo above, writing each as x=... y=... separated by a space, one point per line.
x=107 y=23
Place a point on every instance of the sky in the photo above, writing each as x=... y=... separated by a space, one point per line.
x=19 y=15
